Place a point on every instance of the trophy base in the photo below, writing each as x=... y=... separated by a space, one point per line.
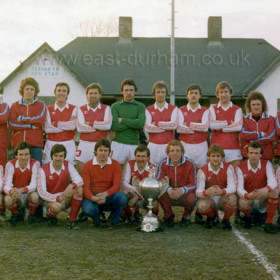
x=150 y=223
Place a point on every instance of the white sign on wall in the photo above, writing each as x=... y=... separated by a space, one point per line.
x=45 y=71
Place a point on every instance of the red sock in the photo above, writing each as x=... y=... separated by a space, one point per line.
x=155 y=210
x=32 y=207
x=14 y=209
x=2 y=209
x=127 y=210
x=247 y=213
x=186 y=212
x=76 y=204
x=209 y=213
x=228 y=211
x=271 y=208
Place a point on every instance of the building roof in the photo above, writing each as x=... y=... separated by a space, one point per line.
x=241 y=62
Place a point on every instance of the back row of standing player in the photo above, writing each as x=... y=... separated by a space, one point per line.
x=29 y=118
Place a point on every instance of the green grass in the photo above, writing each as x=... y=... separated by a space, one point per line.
x=124 y=253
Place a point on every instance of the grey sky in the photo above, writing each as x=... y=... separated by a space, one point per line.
x=26 y=24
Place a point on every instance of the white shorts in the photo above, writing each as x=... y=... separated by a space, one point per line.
x=196 y=152
x=256 y=206
x=70 y=148
x=23 y=199
x=122 y=152
x=85 y=151
x=158 y=153
x=216 y=200
x=231 y=155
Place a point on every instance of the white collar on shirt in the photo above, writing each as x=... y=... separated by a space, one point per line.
x=225 y=108
x=27 y=166
x=94 y=109
x=215 y=171
x=190 y=108
x=141 y=171
x=251 y=168
x=52 y=170
x=94 y=162
x=161 y=109
x=66 y=106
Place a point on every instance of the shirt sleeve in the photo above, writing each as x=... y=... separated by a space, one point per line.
x=126 y=186
x=38 y=119
x=182 y=127
x=76 y=179
x=271 y=180
x=33 y=183
x=49 y=128
x=270 y=132
x=116 y=126
x=42 y=188
x=116 y=180
x=4 y=116
x=236 y=126
x=240 y=187
x=213 y=123
x=106 y=123
x=82 y=127
x=139 y=122
x=231 y=181
x=71 y=124
x=191 y=178
x=172 y=124
x=204 y=125
x=9 y=174
x=149 y=126
x=200 y=186
x=14 y=123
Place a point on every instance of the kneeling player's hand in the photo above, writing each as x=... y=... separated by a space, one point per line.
x=175 y=193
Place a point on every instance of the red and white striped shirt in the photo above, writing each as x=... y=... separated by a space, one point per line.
x=4 y=117
x=94 y=123
x=16 y=177
x=161 y=123
x=59 y=126
x=224 y=177
x=262 y=131
x=52 y=183
x=225 y=123
x=131 y=170
x=253 y=179
x=193 y=124
x=26 y=122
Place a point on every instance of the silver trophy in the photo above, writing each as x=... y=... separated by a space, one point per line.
x=150 y=189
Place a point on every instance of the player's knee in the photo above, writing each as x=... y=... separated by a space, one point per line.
x=79 y=192
x=202 y=205
x=34 y=198
x=232 y=200
x=55 y=207
x=243 y=204
x=9 y=201
x=273 y=193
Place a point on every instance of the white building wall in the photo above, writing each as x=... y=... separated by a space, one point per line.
x=47 y=71
x=270 y=88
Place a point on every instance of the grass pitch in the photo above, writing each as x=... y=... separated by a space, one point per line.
x=97 y=253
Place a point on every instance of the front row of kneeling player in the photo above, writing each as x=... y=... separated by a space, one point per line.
x=213 y=188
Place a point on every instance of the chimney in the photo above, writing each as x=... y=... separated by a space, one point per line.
x=214 y=28
x=125 y=28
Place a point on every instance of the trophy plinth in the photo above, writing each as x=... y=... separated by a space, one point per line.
x=150 y=189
